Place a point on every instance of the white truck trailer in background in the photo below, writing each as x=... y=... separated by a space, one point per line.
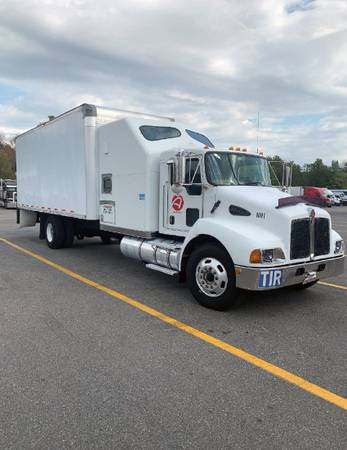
x=173 y=201
x=8 y=193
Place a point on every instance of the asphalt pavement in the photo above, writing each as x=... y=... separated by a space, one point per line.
x=80 y=368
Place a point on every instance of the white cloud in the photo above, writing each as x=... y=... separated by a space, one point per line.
x=222 y=66
x=213 y=64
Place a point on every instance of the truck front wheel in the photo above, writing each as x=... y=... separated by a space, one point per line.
x=55 y=232
x=211 y=277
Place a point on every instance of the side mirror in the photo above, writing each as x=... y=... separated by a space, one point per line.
x=185 y=169
x=180 y=169
x=288 y=176
x=177 y=168
x=174 y=175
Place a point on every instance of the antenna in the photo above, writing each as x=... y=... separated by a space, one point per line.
x=258 y=134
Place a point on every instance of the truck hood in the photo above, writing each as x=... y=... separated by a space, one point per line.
x=269 y=225
x=253 y=194
x=258 y=199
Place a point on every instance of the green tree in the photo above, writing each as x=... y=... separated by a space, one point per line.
x=319 y=174
x=276 y=169
x=340 y=180
x=298 y=177
x=7 y=159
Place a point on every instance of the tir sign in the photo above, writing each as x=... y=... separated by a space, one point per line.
x=270 y=278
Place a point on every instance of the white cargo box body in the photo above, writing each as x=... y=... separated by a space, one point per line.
x=58 y=162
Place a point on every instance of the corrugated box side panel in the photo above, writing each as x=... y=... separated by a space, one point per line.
x=51 y=166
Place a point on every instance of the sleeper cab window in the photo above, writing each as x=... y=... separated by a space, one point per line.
x=106 y=183
x=155 y=133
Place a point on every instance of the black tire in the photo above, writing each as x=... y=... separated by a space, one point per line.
x=306 y=286
x=55 y=232
x=69 y=233
x=202 y=255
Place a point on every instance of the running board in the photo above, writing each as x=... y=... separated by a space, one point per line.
x=162 y=269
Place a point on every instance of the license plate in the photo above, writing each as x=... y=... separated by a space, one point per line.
x=270 y=278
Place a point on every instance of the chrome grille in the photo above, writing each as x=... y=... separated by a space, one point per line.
x=303 y=234
x=321 y=237
x=300 y=239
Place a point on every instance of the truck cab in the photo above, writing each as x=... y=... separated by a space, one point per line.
x=8 y=193
x=222 y=226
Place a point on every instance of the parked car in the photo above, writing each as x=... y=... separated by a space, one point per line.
x=337 y=199
x=331 y=197
x=343 y=195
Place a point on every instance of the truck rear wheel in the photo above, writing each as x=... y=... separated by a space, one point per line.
x=211 y=277
x=69 y=233
x=106 y=240
x=55 y=232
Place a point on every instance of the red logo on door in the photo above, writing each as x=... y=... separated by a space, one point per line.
x=177 y=203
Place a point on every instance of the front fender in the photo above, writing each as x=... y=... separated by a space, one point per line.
x=334 y=238
x=239 y=239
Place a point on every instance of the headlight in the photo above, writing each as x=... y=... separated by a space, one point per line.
x=339 y=247
x=266 y=256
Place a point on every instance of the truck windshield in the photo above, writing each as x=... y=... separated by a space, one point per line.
x=225 y=169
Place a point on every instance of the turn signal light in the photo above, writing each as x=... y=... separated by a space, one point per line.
x=255 y=256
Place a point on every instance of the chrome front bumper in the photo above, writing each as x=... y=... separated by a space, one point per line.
x=11 y=205
x=265 y=278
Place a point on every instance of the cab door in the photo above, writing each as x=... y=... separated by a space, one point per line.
x=183 y=204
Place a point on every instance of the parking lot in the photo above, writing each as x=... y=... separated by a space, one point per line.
x=99 y=352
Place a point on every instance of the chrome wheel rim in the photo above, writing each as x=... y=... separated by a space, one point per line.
x=211 y=277
x=49 y=232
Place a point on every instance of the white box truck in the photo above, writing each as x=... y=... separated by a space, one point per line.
x=173 y=201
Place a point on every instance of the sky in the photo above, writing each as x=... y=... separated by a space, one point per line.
x=214 y=65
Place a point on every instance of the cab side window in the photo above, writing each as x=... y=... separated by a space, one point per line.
x=193 y=176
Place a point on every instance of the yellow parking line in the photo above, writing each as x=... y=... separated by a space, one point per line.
x=254 y=360
x=337 y=286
